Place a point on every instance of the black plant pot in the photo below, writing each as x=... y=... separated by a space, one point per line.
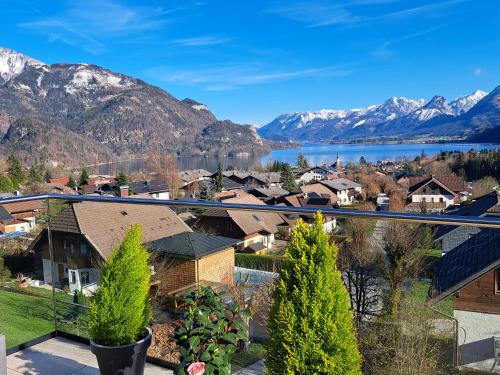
x=122 y=360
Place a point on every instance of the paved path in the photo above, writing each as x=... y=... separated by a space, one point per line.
x=256 y=369
x=59 y=356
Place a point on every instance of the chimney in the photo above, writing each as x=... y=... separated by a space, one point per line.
x=124 y=191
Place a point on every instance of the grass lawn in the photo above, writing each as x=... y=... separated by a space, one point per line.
x=23 y=317
x=419 y=292
x=255 y=353
x=26 y=317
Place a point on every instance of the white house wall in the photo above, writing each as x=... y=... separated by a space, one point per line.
x=475 y=338
x=448 y=199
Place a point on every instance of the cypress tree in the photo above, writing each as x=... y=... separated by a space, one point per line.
x=219 y=179
x=120 y=311
x=310 y=324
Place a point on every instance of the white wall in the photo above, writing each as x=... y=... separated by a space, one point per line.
x=329 y=226
x=475 y=338
x=448 y=199
x=312 y=175
x=47 y=271
x=77 y=285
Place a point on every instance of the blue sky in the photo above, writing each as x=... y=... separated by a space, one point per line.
x=253 y=60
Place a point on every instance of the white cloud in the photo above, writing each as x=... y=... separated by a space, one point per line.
x=384 y=50
x=87 y=23
x=235 y=76
x=200 y=41
x=318 y=14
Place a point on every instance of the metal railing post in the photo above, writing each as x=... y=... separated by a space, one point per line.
x=3 y=356
x=52 y=264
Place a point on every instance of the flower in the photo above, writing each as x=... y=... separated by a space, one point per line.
x=196 y=368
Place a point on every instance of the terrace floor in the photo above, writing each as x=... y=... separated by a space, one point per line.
x=59 y=356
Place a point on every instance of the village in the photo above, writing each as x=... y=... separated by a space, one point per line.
x=441 y=277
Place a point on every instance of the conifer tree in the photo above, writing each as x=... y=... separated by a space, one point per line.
x=122 y=179
x=120 y=311
x=6 y=185
x=84 y=177
x=310 y=324
x=287 y=178
x=302 y=161
x=71 y=182
x=219 y=179
x=15 y=169
x=206 y=193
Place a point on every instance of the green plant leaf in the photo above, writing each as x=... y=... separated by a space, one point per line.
x=194 y=341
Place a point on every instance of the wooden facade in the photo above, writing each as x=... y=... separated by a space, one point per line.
x=480 y=295
x=72 y=249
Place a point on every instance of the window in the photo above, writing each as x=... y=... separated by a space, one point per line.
x=83 y=249
x=497 y=281
x=85 y=277
x=72 y=277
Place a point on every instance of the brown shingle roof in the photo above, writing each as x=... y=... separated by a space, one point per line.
x=105 y=224
x=248 y=221
x=22 y=206
x=320 y=190
x=454 y=183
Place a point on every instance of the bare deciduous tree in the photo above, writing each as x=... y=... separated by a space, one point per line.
x=403 y=346
x=402 y=260
x=356 y=260
x=165 y=167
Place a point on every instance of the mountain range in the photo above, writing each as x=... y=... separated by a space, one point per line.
x=82 y=114
x=397 y=119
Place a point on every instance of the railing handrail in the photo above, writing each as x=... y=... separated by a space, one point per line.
x=471 y=221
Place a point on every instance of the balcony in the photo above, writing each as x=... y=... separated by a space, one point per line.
x=44 y=301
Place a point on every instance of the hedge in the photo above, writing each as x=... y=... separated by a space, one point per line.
x=271 y=263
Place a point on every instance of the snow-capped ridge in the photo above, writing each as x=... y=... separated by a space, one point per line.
x=462 y=104
x=12 y=64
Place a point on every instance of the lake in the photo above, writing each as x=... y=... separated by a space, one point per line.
x=317 y=154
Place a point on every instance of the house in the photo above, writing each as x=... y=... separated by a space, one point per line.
x=383 y=202
x=57 y=188
x=254 y=179
x=306 y=175
x=435 y=193
x=470 y=275
x=247 y=226
x=345 y=190
x=268 y=195
x=85 y=233
x=320 y=190
x=193 y=258
x=310 y=200
x=155 y=188
x=450 y=236
x=19 y=216
x=192 y=180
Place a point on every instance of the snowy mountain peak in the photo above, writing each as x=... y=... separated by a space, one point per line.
x=437 y=106
x=464 y=103
x=12 y=64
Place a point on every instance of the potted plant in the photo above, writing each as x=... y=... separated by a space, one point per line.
x=210 y=333
x=120 y=311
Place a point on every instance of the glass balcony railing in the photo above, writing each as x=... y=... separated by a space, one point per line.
x=420 y=285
